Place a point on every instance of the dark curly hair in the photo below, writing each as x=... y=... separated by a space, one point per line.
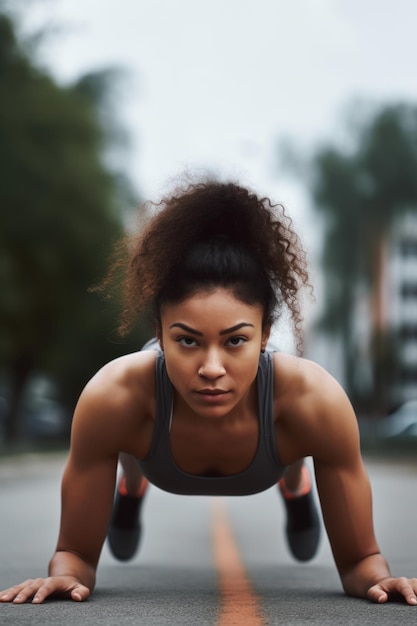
x=213 y=234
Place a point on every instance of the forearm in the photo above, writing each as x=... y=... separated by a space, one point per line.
x=358 y=580
x=69 y=564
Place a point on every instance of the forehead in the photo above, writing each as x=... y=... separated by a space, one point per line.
x=216 y=305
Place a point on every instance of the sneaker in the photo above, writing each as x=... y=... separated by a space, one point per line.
x=125 y=527
x=303 y=525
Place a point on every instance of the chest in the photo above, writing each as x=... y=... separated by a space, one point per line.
x=214 y=449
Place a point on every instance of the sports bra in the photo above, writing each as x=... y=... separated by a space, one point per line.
x=264 y=471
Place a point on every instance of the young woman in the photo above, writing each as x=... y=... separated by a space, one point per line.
x=208 y=408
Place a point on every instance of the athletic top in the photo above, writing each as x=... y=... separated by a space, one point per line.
x=264 y=471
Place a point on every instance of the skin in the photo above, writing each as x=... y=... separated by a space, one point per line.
x=212 y=342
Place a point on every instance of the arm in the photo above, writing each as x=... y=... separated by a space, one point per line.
x=346 y=501
x=107 y=420
x=345 y=497
x=87 y=497
x=316 y=419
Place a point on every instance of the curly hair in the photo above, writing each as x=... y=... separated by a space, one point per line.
x=213 y=234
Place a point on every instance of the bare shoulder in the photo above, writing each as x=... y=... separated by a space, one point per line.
x=312 y=408
x=128 y=375
x=296 y=375
x=115 y=404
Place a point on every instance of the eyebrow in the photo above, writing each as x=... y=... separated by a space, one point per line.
x=232 y=329
x=226 y=331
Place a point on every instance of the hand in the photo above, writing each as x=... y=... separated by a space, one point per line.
x=388 y=588
x=41 y=588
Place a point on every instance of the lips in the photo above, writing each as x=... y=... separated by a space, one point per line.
x=211 y=392
x=212 y=396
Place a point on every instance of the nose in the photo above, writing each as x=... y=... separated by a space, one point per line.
x=212 y=367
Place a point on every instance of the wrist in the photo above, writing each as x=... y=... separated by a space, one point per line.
x=69 y=564
x=363 y=575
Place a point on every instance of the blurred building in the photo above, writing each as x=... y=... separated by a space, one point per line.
x=388 y=312
x=401 y=282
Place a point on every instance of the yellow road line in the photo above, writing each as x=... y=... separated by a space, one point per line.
x=240 y=605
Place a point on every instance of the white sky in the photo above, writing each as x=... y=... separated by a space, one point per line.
x=218 y=83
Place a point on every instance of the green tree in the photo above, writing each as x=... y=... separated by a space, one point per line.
x=361 y=191
x=59 y=217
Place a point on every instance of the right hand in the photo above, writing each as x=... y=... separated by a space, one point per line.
x=41 y=588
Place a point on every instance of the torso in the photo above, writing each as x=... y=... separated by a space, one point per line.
x=234 y=455
x=200 y=447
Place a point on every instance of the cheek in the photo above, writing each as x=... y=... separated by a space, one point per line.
x=245 y=368
x=179 y=370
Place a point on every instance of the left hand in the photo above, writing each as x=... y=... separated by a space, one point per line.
x=392 y=588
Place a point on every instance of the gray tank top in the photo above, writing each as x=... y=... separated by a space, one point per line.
x=265 y=470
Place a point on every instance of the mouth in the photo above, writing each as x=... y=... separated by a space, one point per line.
x=211 y=392
x=212 y=396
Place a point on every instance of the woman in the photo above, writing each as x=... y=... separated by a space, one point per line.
x=210 y=409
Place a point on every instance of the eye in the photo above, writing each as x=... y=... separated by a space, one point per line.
x=236 y=341
x=188 y=342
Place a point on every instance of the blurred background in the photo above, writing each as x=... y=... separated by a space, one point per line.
x=106 y=104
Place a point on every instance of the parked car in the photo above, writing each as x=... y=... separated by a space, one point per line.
x=43 y=417
x=402 y=422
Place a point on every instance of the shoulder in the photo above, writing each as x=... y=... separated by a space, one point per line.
x=116 y=402
x=127 y=375
x=299 y=377
x=312 y=408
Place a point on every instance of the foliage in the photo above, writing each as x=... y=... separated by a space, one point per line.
x=59 y=218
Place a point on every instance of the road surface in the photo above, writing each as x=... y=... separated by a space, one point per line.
x=203 y=561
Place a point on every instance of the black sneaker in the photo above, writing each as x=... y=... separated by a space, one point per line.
x=303 y=524
x=125 y=528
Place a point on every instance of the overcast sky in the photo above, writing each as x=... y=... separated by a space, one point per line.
x=218 y=83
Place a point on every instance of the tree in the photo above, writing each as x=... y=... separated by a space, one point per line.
x=361 y=192
x=59 y=218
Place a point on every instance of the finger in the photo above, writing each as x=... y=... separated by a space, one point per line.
x=377 y=595
x=48 y=588
x=21 y=593
x=394 y=588
x=80 y=593
x=51 y=586
x=8 y=594
x=407 y=588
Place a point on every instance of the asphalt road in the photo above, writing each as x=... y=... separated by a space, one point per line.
x=177 y=579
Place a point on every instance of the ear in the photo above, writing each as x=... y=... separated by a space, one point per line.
x=265 y=336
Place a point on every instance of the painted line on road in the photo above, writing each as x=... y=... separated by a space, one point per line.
x=240 y=604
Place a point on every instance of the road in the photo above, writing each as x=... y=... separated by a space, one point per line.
x=204 y=561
